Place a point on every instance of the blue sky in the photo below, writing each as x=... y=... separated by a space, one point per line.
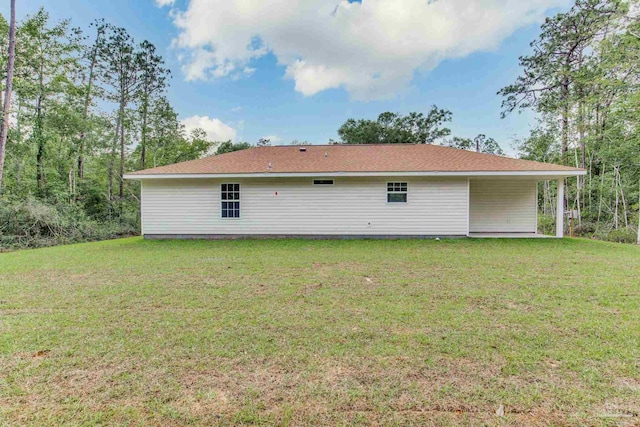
x=273 y=88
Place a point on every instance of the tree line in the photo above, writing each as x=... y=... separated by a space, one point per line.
x=582 y=80
x=80 y=102
x=413 y=128
x=87 y=106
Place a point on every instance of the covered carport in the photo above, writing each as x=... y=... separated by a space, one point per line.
x=508 y=206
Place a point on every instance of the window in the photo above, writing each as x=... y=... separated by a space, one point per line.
x=230 y=198
x=396 y=192
x=322 y=182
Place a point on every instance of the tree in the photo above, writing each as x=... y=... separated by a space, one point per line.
x=166 y=141
x=153 y=80
x=228 y=147
x=47 y=58
x=6 y=108
x=92 y=55
x=163 y=132
x=65 y=134
x=122 y=74
x=583 y=80
x=393 y=128
x=479 y=144
x=193 y=147
x=549 y=74
x=263 y=142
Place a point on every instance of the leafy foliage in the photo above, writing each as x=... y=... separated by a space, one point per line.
x=393 y=128
x=34 y=223
x=414 y=128
x=582 y=79
x=86 y=109
x=480 y=144
x=228 y=147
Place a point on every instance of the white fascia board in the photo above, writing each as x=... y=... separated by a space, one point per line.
x=539 y=174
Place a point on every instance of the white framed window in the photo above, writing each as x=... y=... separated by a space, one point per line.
x=230 y=200
x=397 y=192
x=322 y=182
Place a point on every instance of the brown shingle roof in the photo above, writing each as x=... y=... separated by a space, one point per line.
x=353 y=158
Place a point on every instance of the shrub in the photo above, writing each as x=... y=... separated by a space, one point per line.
x=546 y=225
x=32 y=223
x=591 y=230
x=586 y=229
x=622 y=235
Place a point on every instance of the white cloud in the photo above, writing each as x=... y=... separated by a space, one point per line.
x=372 y=49
x=216 y=130
x=236 y=109
x=163 y=3
x=248 y=71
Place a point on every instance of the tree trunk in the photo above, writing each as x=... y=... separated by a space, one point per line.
x=18 y=164
x=40 y=144
x=624 y=200
x=602 y=175
x=565 y=133
x=616 y=217
x=7 y=94
x=581 y=124
x=81 y=159
x=638 y=241
x=565 y=121
x=581 y=181
x=38 y=129
x=143 y=136
x=112 y=163
x=121 y=192
x=40 y=166
x=87 y=102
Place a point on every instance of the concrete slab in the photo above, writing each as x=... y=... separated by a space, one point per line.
x=509 y=236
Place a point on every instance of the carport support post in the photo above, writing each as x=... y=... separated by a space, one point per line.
x=560 y=209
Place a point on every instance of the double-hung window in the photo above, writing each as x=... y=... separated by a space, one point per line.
x=230 y=198
x=397 y=192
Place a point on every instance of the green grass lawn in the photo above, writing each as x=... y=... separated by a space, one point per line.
x=294 y=332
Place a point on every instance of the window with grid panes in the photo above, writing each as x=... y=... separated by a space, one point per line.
x=230 y=198
x=397 y=192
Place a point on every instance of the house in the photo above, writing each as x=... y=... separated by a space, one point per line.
x=400 y=190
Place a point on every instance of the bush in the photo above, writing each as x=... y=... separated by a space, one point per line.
x=546 y=225
x=591 y=230
x=32 y=223
x=586 y=229
x=622 y=235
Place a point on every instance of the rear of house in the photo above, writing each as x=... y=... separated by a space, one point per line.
x=345 y=191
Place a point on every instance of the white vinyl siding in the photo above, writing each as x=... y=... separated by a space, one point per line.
x=352 y=206
x=503 y=206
